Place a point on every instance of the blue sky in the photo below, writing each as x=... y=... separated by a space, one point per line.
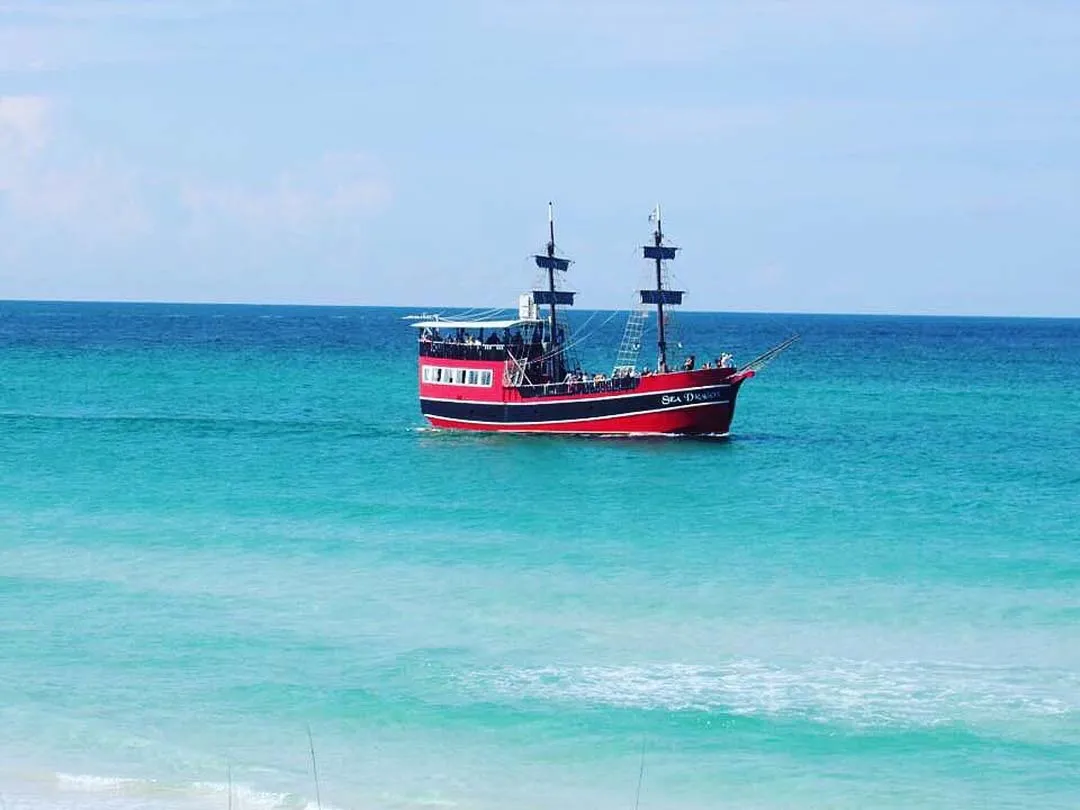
x=810 y=155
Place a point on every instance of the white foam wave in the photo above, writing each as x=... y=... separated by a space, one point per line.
x=212 y=794
x=246 y=797
x=95 y=784
x=860 y=693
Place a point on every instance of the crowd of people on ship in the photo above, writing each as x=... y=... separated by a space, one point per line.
x=533 y=351
x=464 y=338
x=725 y=360
x=465 y=345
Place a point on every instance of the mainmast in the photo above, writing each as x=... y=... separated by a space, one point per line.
x=660 y=253
x=551 y=266
x=550 y=262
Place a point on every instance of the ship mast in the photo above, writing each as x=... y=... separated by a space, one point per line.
x=660 y=253
x=661 y=343
x=551 y=268
x=550 y=262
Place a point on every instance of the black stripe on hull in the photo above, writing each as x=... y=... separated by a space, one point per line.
x=575 y=410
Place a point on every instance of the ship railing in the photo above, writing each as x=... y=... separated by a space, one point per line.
x=605 y=386
x=450 y=350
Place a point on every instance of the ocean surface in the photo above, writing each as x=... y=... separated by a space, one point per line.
x=221 y=526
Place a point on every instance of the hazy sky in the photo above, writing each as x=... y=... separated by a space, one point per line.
x=810 y=155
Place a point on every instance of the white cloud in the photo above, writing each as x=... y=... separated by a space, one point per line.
x=338 y=188
x=54 y=35
x=52 y=183
x=23 y=123
x=91 y=197
x=95 y=200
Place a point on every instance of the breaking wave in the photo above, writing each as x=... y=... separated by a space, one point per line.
x=859 y=693
x=194 y=794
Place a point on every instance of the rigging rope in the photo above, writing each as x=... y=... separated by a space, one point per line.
x=765 y=358
x=581 y=339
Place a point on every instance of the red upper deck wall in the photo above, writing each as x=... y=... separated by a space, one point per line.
x=474 y=380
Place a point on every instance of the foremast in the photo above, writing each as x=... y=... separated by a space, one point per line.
x=660 y=253
x=551 y=296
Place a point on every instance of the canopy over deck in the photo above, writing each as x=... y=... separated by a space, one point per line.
x=448 y=324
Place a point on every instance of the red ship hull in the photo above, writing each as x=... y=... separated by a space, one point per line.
x=700 y=402
x=711 y=420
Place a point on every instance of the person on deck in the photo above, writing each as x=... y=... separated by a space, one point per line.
x=688 y=364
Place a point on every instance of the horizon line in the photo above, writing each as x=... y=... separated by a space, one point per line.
x=324 y=305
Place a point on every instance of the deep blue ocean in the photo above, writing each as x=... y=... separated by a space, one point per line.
x=223 y=525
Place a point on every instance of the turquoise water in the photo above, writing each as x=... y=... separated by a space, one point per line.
x=222 y=525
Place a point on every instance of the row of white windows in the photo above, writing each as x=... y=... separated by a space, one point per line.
x=457 y=376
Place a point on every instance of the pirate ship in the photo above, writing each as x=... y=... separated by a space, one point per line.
x=520 y=374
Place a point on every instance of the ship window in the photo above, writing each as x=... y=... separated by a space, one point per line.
x=459 y=376
x=485 y=378
x=427 y=373
x=472 y=378
x=438 y=375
